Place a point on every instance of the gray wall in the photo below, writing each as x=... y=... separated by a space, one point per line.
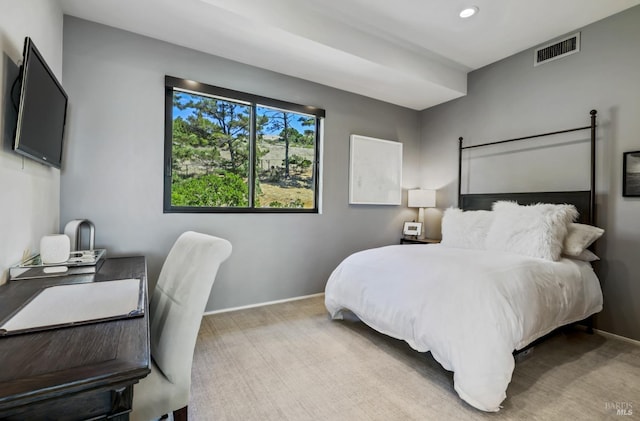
x=30 y=191
x=114 y=166
x=512 y=98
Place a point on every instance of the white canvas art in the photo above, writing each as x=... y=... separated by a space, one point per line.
x=375 y=171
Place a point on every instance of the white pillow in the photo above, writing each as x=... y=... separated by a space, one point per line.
x=467 y=230
x=579 y=237
x=535 y=230
x=586 y=256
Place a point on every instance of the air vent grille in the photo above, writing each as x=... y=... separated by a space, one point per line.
x=559 y=49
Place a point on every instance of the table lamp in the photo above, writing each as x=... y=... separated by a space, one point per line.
x=419 y=198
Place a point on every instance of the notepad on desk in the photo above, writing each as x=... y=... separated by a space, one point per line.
x=73 y=304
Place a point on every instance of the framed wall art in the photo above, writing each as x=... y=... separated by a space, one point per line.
x=631 y=174
x=375 y=171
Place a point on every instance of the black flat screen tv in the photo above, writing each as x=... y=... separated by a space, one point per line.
x=42 y=110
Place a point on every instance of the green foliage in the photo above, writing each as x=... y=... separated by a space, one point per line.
x=301 y=162
x=217 y=131
x=292 y=204
x=211 y=190
x=308 y=138
x=211 y=145
x=274 y=174
x=296 y=204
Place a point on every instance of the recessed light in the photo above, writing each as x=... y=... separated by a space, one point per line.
x=468 y=12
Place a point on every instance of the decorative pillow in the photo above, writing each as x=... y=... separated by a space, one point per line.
x=586 y=256
x=535 y=230
x=467 y=230
x=579 y=237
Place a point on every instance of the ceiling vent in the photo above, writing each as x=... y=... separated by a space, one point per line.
x=556 y=50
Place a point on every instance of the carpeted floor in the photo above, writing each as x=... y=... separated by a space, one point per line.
x=289 y=361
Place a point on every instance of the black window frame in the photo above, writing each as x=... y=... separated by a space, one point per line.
x=198 y=88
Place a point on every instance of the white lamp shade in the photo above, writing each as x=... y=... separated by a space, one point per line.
x=419 y=198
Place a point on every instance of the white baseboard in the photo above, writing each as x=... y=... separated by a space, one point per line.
x=613 y=335
x=268 y=303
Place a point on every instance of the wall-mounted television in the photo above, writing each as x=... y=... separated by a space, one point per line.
x=42 y=110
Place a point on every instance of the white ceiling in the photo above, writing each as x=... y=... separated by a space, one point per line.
x=413 y=53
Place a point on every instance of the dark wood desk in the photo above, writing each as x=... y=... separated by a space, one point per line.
x=73 y=373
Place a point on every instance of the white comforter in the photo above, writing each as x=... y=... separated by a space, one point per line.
x=470 y=308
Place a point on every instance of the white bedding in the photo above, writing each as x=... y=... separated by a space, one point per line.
x=470 y=308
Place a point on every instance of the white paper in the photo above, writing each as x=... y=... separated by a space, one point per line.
x=77 y=303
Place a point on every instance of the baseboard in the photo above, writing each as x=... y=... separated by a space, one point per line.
x=613 y=335
x=268 y=303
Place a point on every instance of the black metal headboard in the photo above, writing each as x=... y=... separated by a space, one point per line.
x=580 y=199
x=584 y=201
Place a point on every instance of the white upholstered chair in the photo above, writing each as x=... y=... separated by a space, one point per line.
x=175 y=313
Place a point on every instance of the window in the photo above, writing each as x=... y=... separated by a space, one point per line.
x=229 y=151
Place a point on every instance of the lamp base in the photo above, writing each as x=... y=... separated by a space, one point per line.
x=421 y=220
x=433 y=225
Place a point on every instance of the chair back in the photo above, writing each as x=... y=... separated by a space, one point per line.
x=179 y=300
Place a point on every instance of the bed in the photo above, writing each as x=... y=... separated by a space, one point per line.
x=505 y=275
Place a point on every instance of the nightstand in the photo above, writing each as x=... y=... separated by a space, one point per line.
x=405 y=240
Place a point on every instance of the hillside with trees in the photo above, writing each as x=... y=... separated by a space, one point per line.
x=211 y=155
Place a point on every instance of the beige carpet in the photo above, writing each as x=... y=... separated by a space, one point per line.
x=291 y=362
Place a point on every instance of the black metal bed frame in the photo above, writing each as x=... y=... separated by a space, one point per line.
x=585 y=201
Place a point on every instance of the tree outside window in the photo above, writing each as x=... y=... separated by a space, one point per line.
x=238 y=152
